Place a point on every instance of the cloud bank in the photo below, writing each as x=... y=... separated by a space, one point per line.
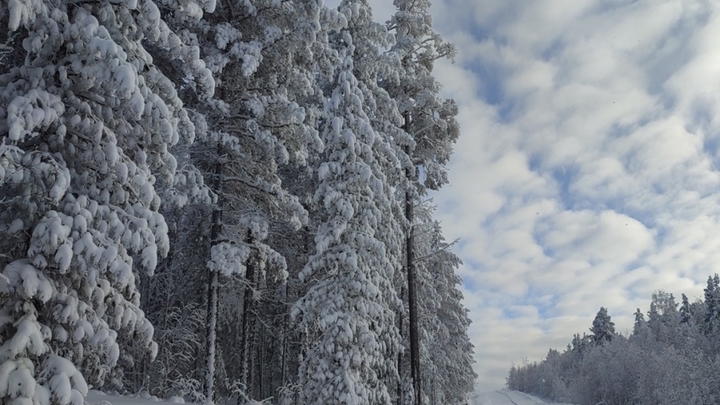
x=587 y=173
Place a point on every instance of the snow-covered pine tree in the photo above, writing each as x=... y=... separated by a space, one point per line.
x=87 y=120
x=603 y=328
x=345 y=315
x=430 y=122
x=685 y=310
x=429 y=119
x=640 y=328
x=712 y=304
x=372 y=62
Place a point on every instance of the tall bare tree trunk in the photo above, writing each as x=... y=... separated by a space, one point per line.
x=210 y=335
x=248 y=327
x=411 y=175
x=400 y=354
x=412 y=303
x=213 y=286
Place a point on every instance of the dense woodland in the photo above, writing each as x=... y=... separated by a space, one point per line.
x=671 y=357
x=226 y=201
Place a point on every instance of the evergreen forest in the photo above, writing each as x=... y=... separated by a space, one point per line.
x=227 y=201
x=671 y=357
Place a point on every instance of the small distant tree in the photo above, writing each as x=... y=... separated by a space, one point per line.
x=685 y=312
x=712 y=296
x=579 y=344
x=640 y=327
x=663 y=316
x=603 y=329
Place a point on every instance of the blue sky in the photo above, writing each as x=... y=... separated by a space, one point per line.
x=588 y=169
x=587 y=176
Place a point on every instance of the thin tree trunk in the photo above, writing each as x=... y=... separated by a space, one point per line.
x=399 y=364
x=260 y=366
x=210 y=335
x=213 y=286
x=410 y=173
x=412 y=303
x=284 y=342
x=248 y=327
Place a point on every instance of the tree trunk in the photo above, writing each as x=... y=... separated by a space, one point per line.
x=248 y=328
x=400 y=358
x=410 y=173
x=210 y=334
x=412 y=303
x=213 y=286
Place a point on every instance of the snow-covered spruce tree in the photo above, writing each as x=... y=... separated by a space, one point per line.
x=685 y=312
x=346 y=314
x=603 y=328
x=640 y=326
x=712 y=304
x=86 y=120
x=372 y=62
x=430 y=121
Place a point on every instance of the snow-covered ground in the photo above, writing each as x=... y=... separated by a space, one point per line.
x=507 y=397
x=97 y=398
x=499 y=397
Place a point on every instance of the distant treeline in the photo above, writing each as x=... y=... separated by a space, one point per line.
x=671 y=357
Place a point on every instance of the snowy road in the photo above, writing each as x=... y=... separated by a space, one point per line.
x=506 y=397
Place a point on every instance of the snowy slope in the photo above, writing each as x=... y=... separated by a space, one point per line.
x=507 y=397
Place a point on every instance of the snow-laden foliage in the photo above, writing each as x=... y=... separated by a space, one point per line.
x=261 y=53
x=603 y=328
x=446 y=351
x=87 y=120
x=346 y=315
x=242 y=174
x=429 y=119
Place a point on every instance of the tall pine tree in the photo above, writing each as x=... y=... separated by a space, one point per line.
x=430 y=122
x=346 y=315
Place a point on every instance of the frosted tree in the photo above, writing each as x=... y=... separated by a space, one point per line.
x=603 y=328
x=87 y=120
x=685 y=310
x=445 y=349
x=663 y=316
x=257 y=126
x=429 y=120
x=640 y=328
x=372 y=62
x=712 y=304
x=346 y=314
